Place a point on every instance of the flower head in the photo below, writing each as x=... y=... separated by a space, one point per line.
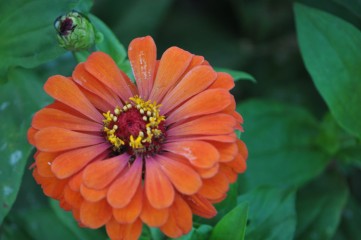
x=158 y=151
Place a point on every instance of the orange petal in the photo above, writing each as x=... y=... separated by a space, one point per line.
x=31 y=135
x=97 y=102
x=131 y=212
x=118 y=231
x=151 y=216
x=238 y=164
x=208 y=172
x=158 y=188
x=229 y=173
x=171 y=67
x=123 y=189
x=92 y=195
x=66 y=91
x=51 y=186
x=142 y=54
x=73 y=198
x=98 y=175
x=43 y=163
x=219 y=138
x=180 y=219
x=223 y=80
x=82 y=77
x=227 y=151
x=71 y=162
x=242 y=148
x=207 y=102
x=215 y=187
x=201 y=206
x=95 y=215
x=193 y=82
x=196 y=61
x=103 y=67
x=49 y=117
x=213 y=124
x=199 y=153
x=184 y=178
x=76 y=181
x=54 y=139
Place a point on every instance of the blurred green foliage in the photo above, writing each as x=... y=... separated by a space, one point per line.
x=302 y=118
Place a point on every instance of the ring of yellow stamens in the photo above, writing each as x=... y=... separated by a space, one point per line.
x=149 y=113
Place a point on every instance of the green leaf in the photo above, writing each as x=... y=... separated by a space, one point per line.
x=350 y=220
x=330 y=49
x=237 y=75
x=319 y=207
x=353 y=6
x=233 y=225
x=28 y=38
x=109 y=43
x=42 y=224
x=19 y=98
x=272 y=214
x=281 y=140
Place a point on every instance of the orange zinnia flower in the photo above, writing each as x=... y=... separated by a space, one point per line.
x=121 y=154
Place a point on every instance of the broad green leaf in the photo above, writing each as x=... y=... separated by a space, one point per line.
x=350 y=220
x=201 y=232
x=271 y=215
x=237 y=75
x=233 y=225
x=353 y=6
x=350 y=155
x=319 y=207
x=281 y=140
x=19 y=98
x=330 y=49
x=28 y=38
x=109 y=42
x=42 y=224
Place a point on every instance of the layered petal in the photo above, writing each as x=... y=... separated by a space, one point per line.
x=100 y=174
x=151 y=216
x=70 y=162
x=172 y=65
x=103 y=67
x=206 y=102
x=82 y=77
x=122 y=190
x=95 y=214
x=131 y=212
x=118 y=231
x=65 y=90
x=184 y=178
x=158 y=188
x=180 y=219
x=195 y=81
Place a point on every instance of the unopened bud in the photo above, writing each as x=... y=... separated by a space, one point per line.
x=75 y=31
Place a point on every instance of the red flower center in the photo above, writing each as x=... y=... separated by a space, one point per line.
x=136 y=128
